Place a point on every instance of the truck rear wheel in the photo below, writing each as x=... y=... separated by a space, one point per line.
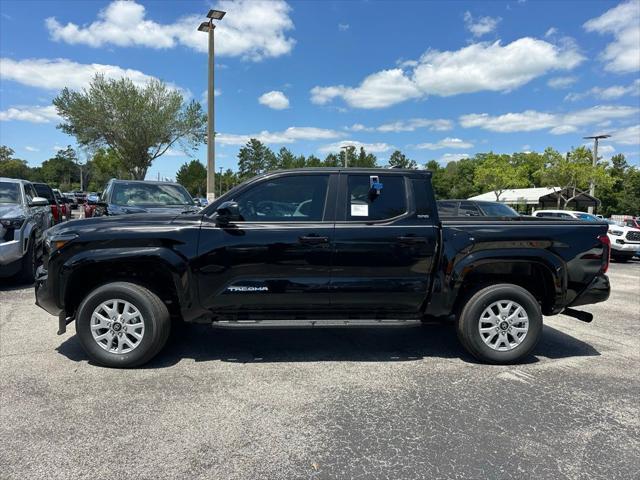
x=500 y=324
x=122 y=325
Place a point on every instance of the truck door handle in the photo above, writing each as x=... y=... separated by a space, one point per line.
x=313 y=239
x=411 y=239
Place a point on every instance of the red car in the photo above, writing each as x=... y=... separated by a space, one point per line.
x=64 y=204
x=45 y=191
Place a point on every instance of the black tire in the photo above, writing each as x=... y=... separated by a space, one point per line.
x=469 y=319
x=29 y=263
x=155 y=316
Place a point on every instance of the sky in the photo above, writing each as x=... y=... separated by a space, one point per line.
x=436 y=80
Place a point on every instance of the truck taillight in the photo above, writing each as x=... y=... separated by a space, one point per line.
x=606 y=246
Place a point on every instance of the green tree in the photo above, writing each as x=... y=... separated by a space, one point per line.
x=254 y=158
x=104 y=166
x=332 y=160
x=61 y=170
x=572 y=173
x=440 y=186
x=193 y=177
x=12 y=167
x=138 y=123
x=400 y=160
x=313 y=161
x=365 y=160
x=497 y=173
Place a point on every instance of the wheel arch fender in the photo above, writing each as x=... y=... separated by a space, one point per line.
x=508 y=262
x=160 y=269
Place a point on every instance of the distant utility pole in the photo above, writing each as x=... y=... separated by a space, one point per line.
x=346 y=154
x=592 y=186
x=209 y=27
x=220 y=182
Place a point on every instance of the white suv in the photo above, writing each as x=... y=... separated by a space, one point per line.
x=625 y=241
x=567 y=214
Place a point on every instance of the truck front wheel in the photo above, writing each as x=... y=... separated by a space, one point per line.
x=122 y=325
x=500 y=324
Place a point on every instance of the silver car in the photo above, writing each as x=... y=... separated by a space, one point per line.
x=24 y=216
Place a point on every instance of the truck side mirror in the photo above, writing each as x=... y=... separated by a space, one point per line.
x=228 y=212
x=39 y=202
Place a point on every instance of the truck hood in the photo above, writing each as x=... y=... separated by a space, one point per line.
x=115 y=209
x=11 y=210
x=108 y=226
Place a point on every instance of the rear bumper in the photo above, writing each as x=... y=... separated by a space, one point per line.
x=597 y=291
x=45 y=296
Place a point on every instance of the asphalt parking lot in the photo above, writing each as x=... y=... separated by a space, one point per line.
x=369 y=403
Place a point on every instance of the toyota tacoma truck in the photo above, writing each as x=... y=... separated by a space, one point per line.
x=319 y=247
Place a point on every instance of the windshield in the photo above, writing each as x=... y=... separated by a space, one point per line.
x=9 y=192
x=150 y=195
x=498 y=210
x=588 y=217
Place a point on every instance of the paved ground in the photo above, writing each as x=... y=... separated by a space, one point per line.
x=397 y=404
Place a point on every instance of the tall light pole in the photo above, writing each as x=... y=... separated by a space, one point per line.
x=209 y=28
x=592 y=186
x=346 y=154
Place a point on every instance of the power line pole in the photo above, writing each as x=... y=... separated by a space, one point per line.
x=209 y=28
x=592 y=185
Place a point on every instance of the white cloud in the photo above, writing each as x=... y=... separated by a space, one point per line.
x=410 y=125
x=531 y=120
x=290 y=135
x=561 y=82
x=477 y=67
x=480 y=26
x=252 y=29
x=55 y=74
x=623 y=23
x=439 y=124
x=343 y=27
x=378 y=90
x=274 y=99
x=369 y=147
x=608 y=93
x=452 y=157
x=32 y=113
x=627 y=136
x=448 y=142
x=552 y=31
x=29 y=148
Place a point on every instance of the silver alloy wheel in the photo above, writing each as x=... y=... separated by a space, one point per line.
x=503 y=325
x=117 y=326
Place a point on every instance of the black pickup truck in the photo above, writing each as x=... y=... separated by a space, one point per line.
x=319 y=247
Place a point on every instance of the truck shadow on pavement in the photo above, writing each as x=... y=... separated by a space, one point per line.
x=203 y=343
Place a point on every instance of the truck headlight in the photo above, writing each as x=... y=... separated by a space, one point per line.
x=617 y=233
x=56 y=242
x=14 y=223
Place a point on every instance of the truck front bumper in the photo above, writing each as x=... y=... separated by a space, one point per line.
x=45 y=297
x=597 y=291
x=626 y=248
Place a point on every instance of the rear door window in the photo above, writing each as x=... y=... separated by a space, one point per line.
x=468 y=209
x=447 y=208
x=366 y=205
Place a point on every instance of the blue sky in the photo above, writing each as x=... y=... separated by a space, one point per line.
x=437 y=80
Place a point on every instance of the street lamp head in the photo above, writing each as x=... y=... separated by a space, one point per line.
x=216 y=14
x=597 y=137
x=204 y=27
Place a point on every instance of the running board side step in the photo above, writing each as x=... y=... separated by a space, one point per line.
x=315 y=323
x=578 y=315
